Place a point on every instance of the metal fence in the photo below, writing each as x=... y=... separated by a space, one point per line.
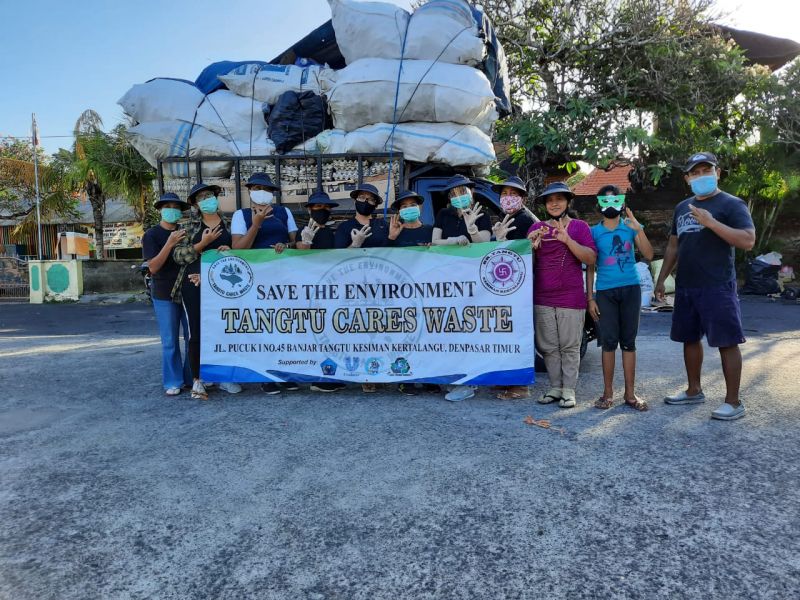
x=14 y=279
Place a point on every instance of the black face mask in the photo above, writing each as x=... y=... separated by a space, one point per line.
x=364 y=208
x=321 y=215
x=611 y=212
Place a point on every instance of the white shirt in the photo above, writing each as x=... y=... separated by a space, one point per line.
x=239 y=227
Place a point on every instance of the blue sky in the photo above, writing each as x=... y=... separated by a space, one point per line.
x=60 y=58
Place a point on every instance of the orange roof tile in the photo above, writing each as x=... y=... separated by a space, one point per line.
x=616 y=175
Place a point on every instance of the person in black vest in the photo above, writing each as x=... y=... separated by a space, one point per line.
x=517 y=222
x=157 y=245
x=265 y=224
x=318 y=236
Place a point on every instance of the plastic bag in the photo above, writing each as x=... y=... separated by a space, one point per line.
x=761 y=278
x=295 y=118
x=669 y=282
x=646 y=282
x=268 y=83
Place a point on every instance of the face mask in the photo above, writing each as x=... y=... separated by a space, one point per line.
x=461 y=202
x=171 y=215
x=704 y=185
x=261 y=197
x=611 y=212
x=409 y=214
x=364 y=208
x=321 y=215
x=209 y=205
x=510 y=204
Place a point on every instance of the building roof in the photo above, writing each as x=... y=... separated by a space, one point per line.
x=117 y=211
x=616 y=175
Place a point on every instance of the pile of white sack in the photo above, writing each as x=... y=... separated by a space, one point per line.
x=410 y=85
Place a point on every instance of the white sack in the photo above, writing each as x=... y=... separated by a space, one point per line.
x=161 y=100
x=368 y=29
x=364 y=93
x=230 y=116
x=269 y=82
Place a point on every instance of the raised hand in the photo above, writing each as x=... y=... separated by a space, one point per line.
x=471 y=216
x=396 y=226
x=261 y=212
x=701 y=215
x=309 y=231
x=631 y=221
x=175 y=237
x=562 y=235
x=535 y=237
x=359 y=236
x=209 y=235
x=501 y=229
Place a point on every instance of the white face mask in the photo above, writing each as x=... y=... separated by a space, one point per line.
x=261 y=197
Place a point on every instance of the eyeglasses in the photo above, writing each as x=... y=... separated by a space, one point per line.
x=368 y=198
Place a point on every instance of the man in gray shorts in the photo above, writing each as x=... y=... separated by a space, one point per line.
x=705 y=230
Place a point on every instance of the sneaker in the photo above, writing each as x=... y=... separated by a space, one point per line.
x=409 y=389
x=199 y=391
x=567 y=398
x=173 y=391
x=728 y=412
x=683 y=398
x=327 y=387
x=432 y=388
x=270 y=388
x=231 y=388
x=460 y=392
x=289 y=386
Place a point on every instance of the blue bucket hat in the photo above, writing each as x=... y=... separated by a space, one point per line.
x=320 y=197
x=170 y=197
x=366 y=187
x=512 y=182
x=559 y=187
x=199 y=187
x=700 y=157
x=405 y=194
x=261 y=179
x=457 y=181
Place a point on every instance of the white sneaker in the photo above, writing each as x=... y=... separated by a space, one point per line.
x=231 y=388
x=460 y=392
x=728 y=412
x=173 y=391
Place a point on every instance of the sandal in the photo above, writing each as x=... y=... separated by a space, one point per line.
x=604 y=403
x=552 y=395
x=567 y=398
x=637 y=403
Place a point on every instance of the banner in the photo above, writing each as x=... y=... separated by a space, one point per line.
x=439 y=314
x=119 y=236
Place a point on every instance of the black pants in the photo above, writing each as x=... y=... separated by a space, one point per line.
x=619 y=317
x=191 y=304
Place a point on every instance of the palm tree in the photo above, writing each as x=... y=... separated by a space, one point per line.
x=88 y=132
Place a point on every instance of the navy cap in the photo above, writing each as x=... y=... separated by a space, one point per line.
x=404 y=195
x=559 y=187
x=261 y=179
x=457 y=181
x=366 y=187
x=199 y=187
x=512 y=182
x=170 y=197
x=700 y=157
x=320 y=197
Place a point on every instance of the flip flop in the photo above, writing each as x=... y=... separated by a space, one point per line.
x=637 y=404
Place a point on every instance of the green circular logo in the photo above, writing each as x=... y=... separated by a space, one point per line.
x=58 y=278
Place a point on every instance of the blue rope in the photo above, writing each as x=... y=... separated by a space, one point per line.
x=394 y=121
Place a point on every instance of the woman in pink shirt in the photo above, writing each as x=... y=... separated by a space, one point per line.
x=561 y=245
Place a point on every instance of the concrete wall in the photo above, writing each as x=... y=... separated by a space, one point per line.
x=110 y=276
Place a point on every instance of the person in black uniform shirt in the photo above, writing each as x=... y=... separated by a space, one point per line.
x=517 y=222
x=207 y=232
x=157 y=245
x=362 y=231
x=405 y=228
x=463 y=221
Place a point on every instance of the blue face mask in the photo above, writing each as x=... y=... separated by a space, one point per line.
x=704 y=185
x=170 y=215
x=461 y=202
x=409 y=214
x=209 y=205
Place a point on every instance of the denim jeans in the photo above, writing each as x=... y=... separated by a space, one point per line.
x=175 y=370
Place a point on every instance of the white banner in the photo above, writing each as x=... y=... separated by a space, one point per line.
x=441 y=314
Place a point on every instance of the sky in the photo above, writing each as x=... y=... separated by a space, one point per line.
x=60 y=58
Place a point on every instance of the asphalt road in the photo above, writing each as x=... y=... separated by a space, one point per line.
x=111 y=490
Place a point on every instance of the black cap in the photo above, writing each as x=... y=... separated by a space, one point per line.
x=199 y=187
x=366 y=187
x=320 y=197
x=170 y=197
x=559 y=187
x=261 y=179
x=404 y=195
x=700 y=157
x=512 y=182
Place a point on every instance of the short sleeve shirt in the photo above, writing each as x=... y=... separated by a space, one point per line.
x=413 y=237
x=453 y=225
x=324 y=240
x=704 y=258
x=239 y=227
x=616 y=259
x=153 y=241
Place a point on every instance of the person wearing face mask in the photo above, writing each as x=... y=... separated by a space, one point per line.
x=157 y=245
x=318 y=236
x=265 y=224
x=362 y=231
x=207 y=231
x=517 y=221
x=459 y=224
x=616 y=306
x=706 y=229
x=561 y=245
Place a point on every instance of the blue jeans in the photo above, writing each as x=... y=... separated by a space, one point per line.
x=174 y=370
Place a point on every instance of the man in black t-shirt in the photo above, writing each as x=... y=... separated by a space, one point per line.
x=706 y=228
